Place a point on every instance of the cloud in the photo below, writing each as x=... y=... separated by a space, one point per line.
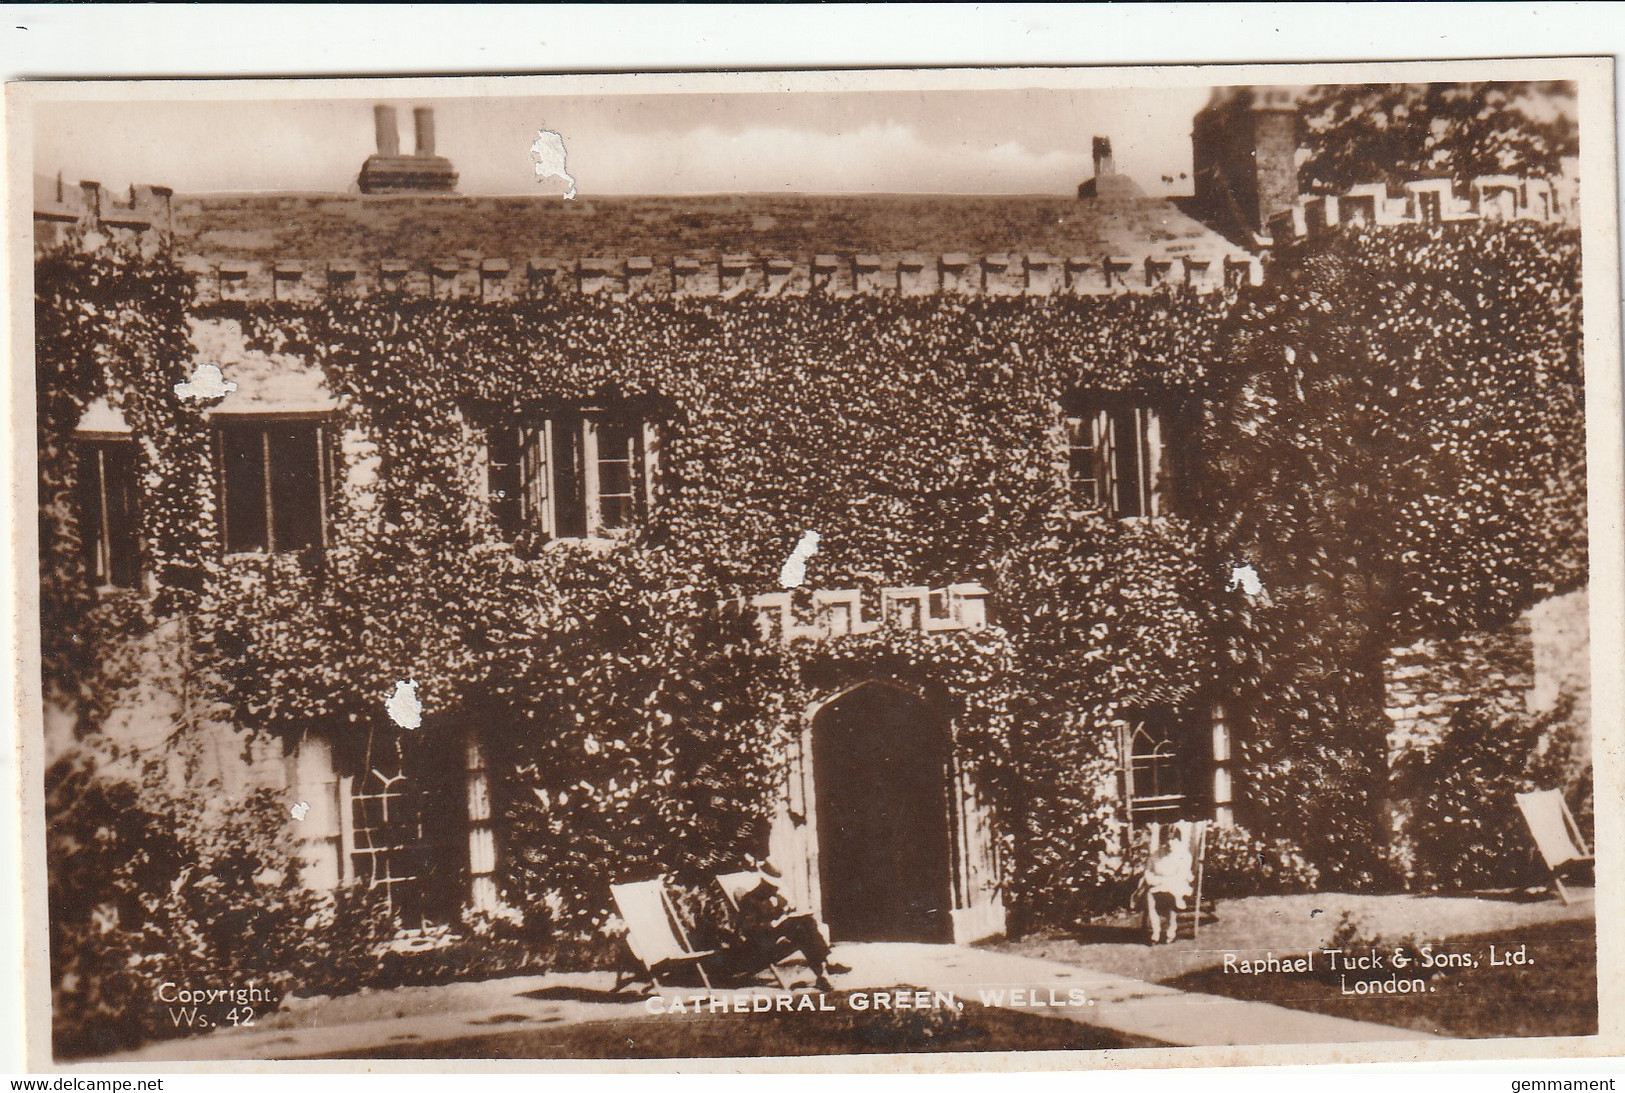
x=877 y=158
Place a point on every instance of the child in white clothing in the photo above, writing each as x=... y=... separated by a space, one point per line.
x=1168 y=878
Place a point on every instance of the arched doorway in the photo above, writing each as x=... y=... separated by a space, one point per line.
x=880 y=767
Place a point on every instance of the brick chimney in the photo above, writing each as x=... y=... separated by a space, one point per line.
x=388 y=172
x=1107 y=182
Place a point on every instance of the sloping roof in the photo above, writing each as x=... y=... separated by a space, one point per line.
x=417 y=229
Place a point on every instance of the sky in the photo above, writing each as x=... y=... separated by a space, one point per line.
x=984 y=141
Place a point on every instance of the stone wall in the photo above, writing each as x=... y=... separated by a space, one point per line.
x=1429 y=201
x=1524 y=667
x=1244 y=147
x=157 y=723
x=88 y=214
x=1560 y=631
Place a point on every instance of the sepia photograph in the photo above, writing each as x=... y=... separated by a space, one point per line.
x=818 y=565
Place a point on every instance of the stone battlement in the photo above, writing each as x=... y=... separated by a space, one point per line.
x=471 y=276
x=830 y=613
x=88 y=213
x=1432 y=201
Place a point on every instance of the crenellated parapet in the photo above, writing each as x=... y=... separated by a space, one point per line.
x=1433 y=201
x=87 y=214
x=469 y=275
x=819 y=615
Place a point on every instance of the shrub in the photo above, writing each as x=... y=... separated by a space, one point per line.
x=1464 y=829
x=1353 y=366
x=146 y=888
x=343 y=935
x=1239 y=863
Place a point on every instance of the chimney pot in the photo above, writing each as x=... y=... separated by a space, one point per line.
x=389 y=136
x=423 y=118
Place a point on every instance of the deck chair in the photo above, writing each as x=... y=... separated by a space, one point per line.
x=655 y=934
x=1196 y=838
x=1557 y=837
x=734 y=888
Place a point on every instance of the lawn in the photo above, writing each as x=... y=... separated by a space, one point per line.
x=748 y=1035
x=1554 y=995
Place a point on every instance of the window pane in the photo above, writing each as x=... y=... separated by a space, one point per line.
x=616 y=512
x=1127 y=445
x=1163 y=441
x=90 y=513
x=1081 y=461
x=411 y=838
x=1170 y=764
x=614 y=478
x=502 y=478
x=616 y=439
x=536 y=479
x=124 y=564
x=296 y=485
x=243 y=486
x=569 y=486
x=617 y=451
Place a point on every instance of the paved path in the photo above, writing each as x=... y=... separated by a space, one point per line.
x=1118 y=1002
x=429 y=1014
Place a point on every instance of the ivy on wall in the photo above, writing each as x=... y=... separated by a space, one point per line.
x=628 y=724
x=1399 y=449
x=1394 y=432
x=109 y=324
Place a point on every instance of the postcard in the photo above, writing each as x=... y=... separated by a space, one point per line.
x=839 y=570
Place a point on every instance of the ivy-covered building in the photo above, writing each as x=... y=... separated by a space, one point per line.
x=464 y=526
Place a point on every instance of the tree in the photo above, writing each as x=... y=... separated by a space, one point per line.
x=1360 y=133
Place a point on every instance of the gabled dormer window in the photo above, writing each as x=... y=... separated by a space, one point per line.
x=1119 y=457
x=572 y=474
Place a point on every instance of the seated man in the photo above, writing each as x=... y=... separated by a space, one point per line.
x=769 y=930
